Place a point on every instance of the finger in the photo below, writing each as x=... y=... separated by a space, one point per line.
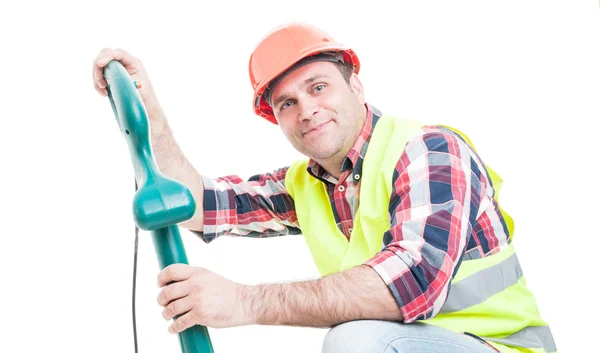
x=178 y=307
x=107 y=55
x=98 y=76
x=103 y=92
x=131 y=64
x=174 y=273
x=171 y=292
x=116 y=54
x=181 y=323
x=98 y=72
x=102 y=54
x=101 y=59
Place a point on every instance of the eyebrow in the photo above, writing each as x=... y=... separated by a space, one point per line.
x=306 y=82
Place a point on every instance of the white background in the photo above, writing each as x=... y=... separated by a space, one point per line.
x=521 y=78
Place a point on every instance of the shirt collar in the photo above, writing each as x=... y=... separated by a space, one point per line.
x=356 y=155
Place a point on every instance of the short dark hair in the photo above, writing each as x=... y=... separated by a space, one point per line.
x=345 y=69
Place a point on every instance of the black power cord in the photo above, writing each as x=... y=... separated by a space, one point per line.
x=135 y=252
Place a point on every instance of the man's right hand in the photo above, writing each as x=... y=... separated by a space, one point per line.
x=133 y=66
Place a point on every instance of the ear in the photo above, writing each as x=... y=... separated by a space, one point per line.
x=357 y=87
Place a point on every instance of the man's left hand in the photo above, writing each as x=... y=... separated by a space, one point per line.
x=201 y=297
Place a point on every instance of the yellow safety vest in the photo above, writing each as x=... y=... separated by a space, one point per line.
x=488 y=296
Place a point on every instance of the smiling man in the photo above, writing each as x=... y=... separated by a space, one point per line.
x=320 y=112
x=401 y=217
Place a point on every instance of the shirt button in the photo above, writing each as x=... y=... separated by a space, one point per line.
x=356 y=176
x=349 y=230
x=341 y=188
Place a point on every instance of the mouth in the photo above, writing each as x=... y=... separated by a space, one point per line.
x=316 y=128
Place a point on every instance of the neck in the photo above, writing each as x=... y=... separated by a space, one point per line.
x=333 y=164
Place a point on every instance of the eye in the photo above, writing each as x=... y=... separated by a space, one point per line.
x=285 y=105
x=319 y=88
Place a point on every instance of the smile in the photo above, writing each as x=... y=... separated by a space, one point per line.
x=316 y=128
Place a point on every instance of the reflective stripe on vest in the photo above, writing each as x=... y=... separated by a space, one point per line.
x=487 y=297
x=539 y=337
x=482 y=285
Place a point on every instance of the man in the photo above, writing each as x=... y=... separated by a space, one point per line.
x=401 y=217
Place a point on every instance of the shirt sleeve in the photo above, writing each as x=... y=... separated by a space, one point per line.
x=258 y=207
x=437 y=187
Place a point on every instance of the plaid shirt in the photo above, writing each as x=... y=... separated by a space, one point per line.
x=441 y=211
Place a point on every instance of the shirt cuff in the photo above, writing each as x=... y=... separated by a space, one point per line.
x=389 y=267
x=211 y=212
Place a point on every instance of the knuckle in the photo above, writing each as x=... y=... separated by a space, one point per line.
x=121 y=51
x=197 y=312
x=196 y=287
x=180 y=323
x=166 y=295
x=170 y=272
x=104 y=52
x=171 y=309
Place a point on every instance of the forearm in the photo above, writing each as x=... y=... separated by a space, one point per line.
x=171 y=160
x=358 y=293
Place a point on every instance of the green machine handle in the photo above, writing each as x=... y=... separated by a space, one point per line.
x=159 y=203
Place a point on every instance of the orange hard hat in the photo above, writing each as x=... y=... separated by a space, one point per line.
x=285 y=46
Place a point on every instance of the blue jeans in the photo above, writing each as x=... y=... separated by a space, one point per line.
x=374 y=336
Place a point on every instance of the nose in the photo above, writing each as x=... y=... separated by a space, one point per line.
x=309 y=107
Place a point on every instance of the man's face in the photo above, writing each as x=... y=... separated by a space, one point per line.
x=319 y=113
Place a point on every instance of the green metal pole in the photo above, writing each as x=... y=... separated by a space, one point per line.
x=159 y=203
x=168 y=240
